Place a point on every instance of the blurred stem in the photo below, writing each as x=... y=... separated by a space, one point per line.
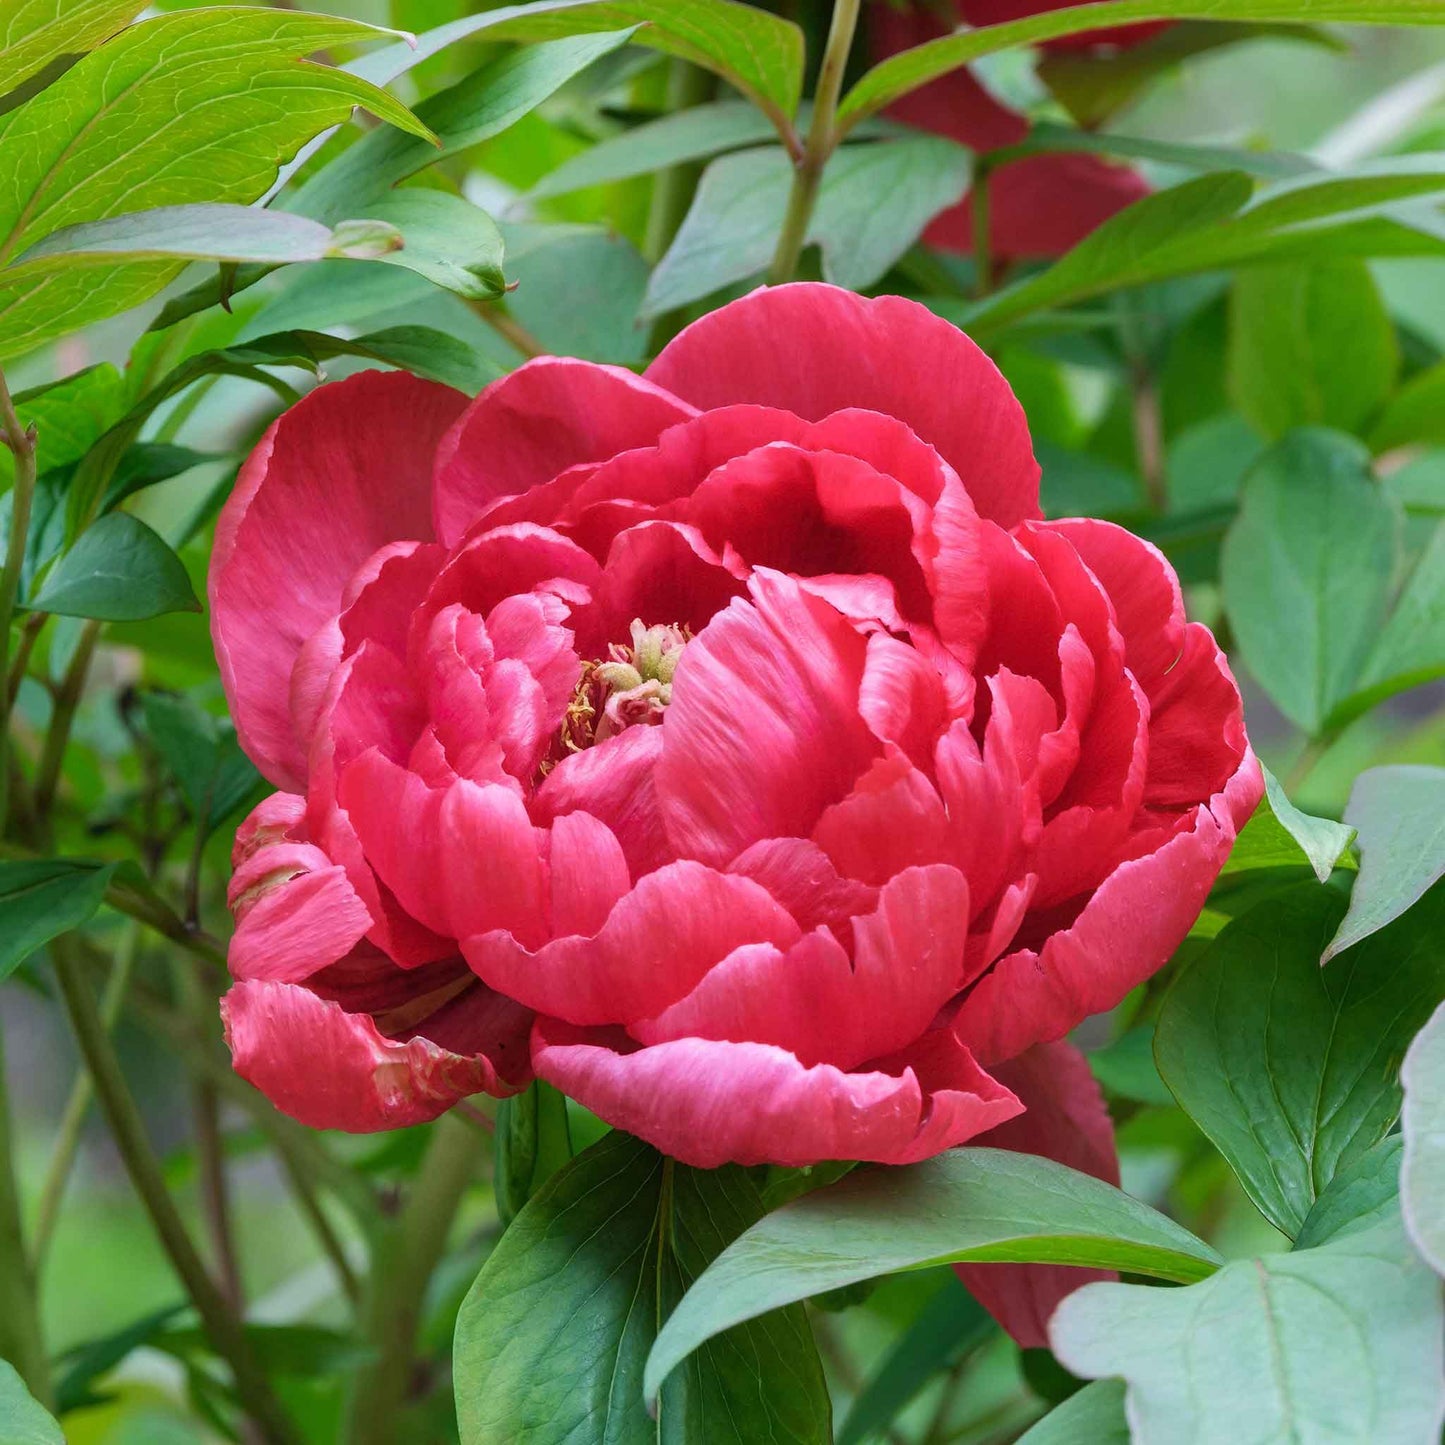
x=822 y=141
x=224 y=1329
x=1310 y=756
x=401 y=1270
x=29 y=632
x=57 y=738
x=672 y=191
x=67 y=1141
x=21 y=441
x=509 y=328
x=983 y=267
x=1149 y=435
x=21 y=1342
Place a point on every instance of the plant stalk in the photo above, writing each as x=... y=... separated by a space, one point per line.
x=67 y=700
x=21 y=441
x=21 y=1342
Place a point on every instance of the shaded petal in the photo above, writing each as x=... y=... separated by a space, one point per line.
x=801 y=877
x=892 y=820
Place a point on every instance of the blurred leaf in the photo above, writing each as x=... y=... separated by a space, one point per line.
x=876 y=199
x=532 y=1143
x=1339 y=1345
x=1399 y=817
x=86 y=1364
x=1415 y=415
x=1290 y=1068
x=1048 y=137
x=1095 y=1416
x=279 y=1349
x=1361 y=1195
x=1422 y=1176
x=35 y=32
x=42 y=898
x=119 y=570
x=1310 y=345
x=1127 y=1070
x=550 y=1342
x=1279 y=835
x=447 y=239
x=23 y=1420
x=946 y=1329
x=221 y=87
x=215 y=776
x=1307 y=569
x=970 y=1204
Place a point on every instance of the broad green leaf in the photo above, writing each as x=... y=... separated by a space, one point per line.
x=23 y=1420
x=1279 y=835
x=1415 y=415
x=445 y=238
x=1340 y=1345
x=975 y=1205
x=693 y=134
x=119 y=570
x=551 y=1340
x=43 y=898
x=1310 y=346
x=947 y=1328
x=1050 y=137
x=68 y=416
x=532 y=1143
x=215 y=776
x=1398 y=814
x=1288 y=1067
x=226 y=89
x=422 y=349
x=1363 y=1194
x=875 y=200
x=35 y=32
x=908 y=70
x=1306 y=570
x=1422 y=1175
x=1127 y=1070
x=1095 y=1416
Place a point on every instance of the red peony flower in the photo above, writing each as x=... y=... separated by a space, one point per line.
x=1039 y=205
x=734 y=746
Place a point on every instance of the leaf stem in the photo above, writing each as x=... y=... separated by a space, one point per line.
x=21 y=1341
x=67 y=699
x=823 y=137
x=509 y=329
x=984 y=276
x=21 y=441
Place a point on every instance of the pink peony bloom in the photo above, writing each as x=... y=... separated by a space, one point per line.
x=1039 y=206
x=733 y=746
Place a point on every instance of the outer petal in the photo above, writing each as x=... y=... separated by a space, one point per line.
x=1065 y=1119
x=708 y=1103
x=536 y=422
x=334 y=1070
x=342 y=474
x=817 y=349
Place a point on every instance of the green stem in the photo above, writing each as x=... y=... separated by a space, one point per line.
x=402 y=1267
x=21 y=441
x=982 y=228
x=509 y=328
x=822 y=140
x=672 y=190
x=21 y=1341
x=127 y=1129
x=57 y=738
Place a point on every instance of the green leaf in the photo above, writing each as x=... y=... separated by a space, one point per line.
x=42 y=898
x=1415 y=415
x=422 y=349
x=23 y=1420
x=1306 y=570
x=1422 y=1176
x=1127 y=1070
x=946 y=1329
x=86 y=1363
x=215 y=776
x=532 y=1143
x=1094 y=1416
x=978 y=1205
x=1339 y=1345
x=119 y=570
x=875 y=200
x=1048 y=137
x=901 y=73
x=1363 y=1194
x=551 y=1340
x=1279 y=835
x=1310 y=346
x=1399 y=816
x=1288 y=1067
x=446 y=238
x=67 y=416
x=225 y=88
x=35 y=32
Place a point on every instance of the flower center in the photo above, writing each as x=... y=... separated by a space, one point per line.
x=631 y=687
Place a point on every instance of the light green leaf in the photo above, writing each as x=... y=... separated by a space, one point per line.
x=1415 y=415
x=976 y=1205
x=1279 y=835
x=41 y=899
x=551 y=1340
x=874 y=202
x=23 y=1420
x=1306 y=570
x=1339 y=1345
x=1422 y=1175
x=1399 y=816
x=1127 y=1070
x=68 y=416
x=1288 y=1067
x=35 y=32
x=1310 y=346
x=117 y=571
x=1362 y=1195
x=1095 y=1416
x=1050 y=137
x=226 y=89
x=908 y=70
x=445 y=238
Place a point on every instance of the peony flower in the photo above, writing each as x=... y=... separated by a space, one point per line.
x=1041 y=205
x=732 y=746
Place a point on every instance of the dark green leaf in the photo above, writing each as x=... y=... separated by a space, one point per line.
x=1290 y=1068
x=119 y=570
x=1049 y=137
x=23 y=1420
x=532 y=1143
x=215 y=776
x=551 y=1341
x=1422 y=1177
x=1306 y=570
x=35 y=32
x=980 y=1205
x=1279 y=835
x=86 y=1364
x=1363 y=1194
x=43 y=898
x=1095 y=1416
